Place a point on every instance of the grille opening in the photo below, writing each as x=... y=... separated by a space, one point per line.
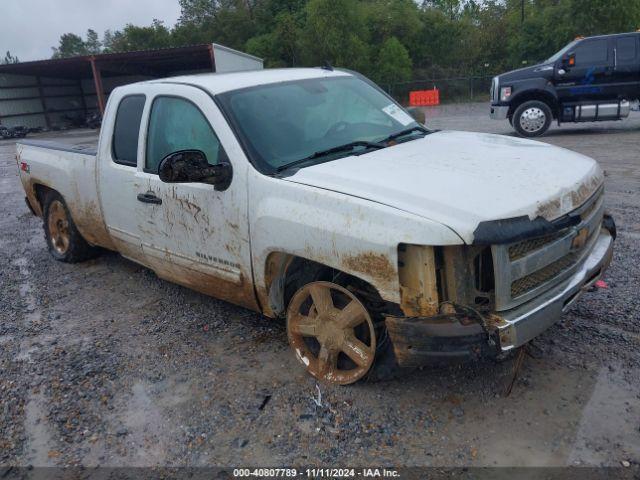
x=484 y=281
x=545 y=274
x=549 y=272
x=483 y=270
x=522 y=249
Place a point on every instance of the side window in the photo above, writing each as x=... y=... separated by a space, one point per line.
x=177 y=124
x=592 y=52
x=626 y=49
x=127 y=129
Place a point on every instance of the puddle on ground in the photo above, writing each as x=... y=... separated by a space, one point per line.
x=32 y=313
x=39 y=440
x=608 y=419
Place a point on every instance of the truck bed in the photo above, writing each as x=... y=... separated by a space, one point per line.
x=86 y=148
x=69 y=168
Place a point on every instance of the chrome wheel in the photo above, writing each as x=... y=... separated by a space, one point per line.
x=331 y=333
x=58 y=224
x=532 y=119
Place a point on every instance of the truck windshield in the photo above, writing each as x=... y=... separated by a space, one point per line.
x=557 y=56
x=305 y=122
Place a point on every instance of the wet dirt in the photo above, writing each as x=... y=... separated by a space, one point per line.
x=104 y=364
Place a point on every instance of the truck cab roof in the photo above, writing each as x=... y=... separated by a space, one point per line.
x=610 y=35
x=216 y=83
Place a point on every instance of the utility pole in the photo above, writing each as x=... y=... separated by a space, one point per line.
x=521 y=12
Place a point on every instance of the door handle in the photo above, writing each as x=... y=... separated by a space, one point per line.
x=149 y=198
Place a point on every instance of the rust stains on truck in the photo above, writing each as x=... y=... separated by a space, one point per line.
x=549 y=210
x=276 y=267
x=186 y=204
x=88 y=218
x=554 y=208
x=418 y=283
x=373 y=264
x=240 y=292
x=585 y=190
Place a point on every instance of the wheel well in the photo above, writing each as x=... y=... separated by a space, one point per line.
x=539 y=95
x=285 y=272
x=40 y=192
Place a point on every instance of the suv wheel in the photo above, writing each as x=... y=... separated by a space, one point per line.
x=532 y=118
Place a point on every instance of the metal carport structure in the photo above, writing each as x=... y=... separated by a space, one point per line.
x=45 y=93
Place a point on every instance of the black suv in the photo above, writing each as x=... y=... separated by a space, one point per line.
x=589 y=80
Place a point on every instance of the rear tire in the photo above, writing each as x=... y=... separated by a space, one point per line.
x=532 y=118
x=64 y=241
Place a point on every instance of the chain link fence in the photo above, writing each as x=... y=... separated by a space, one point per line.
x=452 y=90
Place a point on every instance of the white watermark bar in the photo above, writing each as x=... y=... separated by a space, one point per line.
x=319 y=472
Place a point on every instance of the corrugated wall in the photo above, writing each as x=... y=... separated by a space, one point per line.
x=35 y=102
x=20 y=102
x=108 y=84
x=13 y=88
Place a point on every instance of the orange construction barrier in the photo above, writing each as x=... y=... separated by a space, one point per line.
x=424 y=98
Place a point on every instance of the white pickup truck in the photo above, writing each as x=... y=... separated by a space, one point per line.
x=310 y=194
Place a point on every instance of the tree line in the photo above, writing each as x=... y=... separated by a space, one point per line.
x=390 y=41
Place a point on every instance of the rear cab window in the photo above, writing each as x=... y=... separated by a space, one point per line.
x=177 y=124
x=626 y=48
x=126 y=130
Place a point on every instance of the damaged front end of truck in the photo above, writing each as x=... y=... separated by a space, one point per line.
x=514 y=282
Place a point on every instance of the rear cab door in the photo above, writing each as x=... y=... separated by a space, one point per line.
x=627 y=65
x=192 y=234
x=117 y=179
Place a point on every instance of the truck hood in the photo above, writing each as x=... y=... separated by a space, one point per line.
x=460 y=179
x=535 y=71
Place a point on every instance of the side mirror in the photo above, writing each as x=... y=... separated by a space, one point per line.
x=190 y=166
x=417 y=114
x=569 y=61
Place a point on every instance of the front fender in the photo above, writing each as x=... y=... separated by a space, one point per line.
x=350 y=234
x=533 y=89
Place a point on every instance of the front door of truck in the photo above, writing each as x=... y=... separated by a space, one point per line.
x=192 y=234
x=591 y=76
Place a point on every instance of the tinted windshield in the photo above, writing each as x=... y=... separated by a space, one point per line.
x=564 y=50
x=284 y=122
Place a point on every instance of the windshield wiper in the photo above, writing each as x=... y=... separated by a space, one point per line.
x=347 y=147
x=404 y=132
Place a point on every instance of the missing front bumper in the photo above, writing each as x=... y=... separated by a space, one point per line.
x=421 y=341
x=424 y=341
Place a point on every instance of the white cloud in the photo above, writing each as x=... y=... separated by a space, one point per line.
x=29 y=28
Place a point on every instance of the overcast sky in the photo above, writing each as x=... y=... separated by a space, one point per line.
x=29 y=28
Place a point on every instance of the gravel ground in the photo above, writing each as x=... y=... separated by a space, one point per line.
x=104 y=364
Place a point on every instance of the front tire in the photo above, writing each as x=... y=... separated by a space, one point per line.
x=532 y=118
x=331 y=332
x=343 y=287
x=64 y=241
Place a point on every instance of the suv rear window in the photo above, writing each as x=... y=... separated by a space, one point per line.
x=127 y=130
